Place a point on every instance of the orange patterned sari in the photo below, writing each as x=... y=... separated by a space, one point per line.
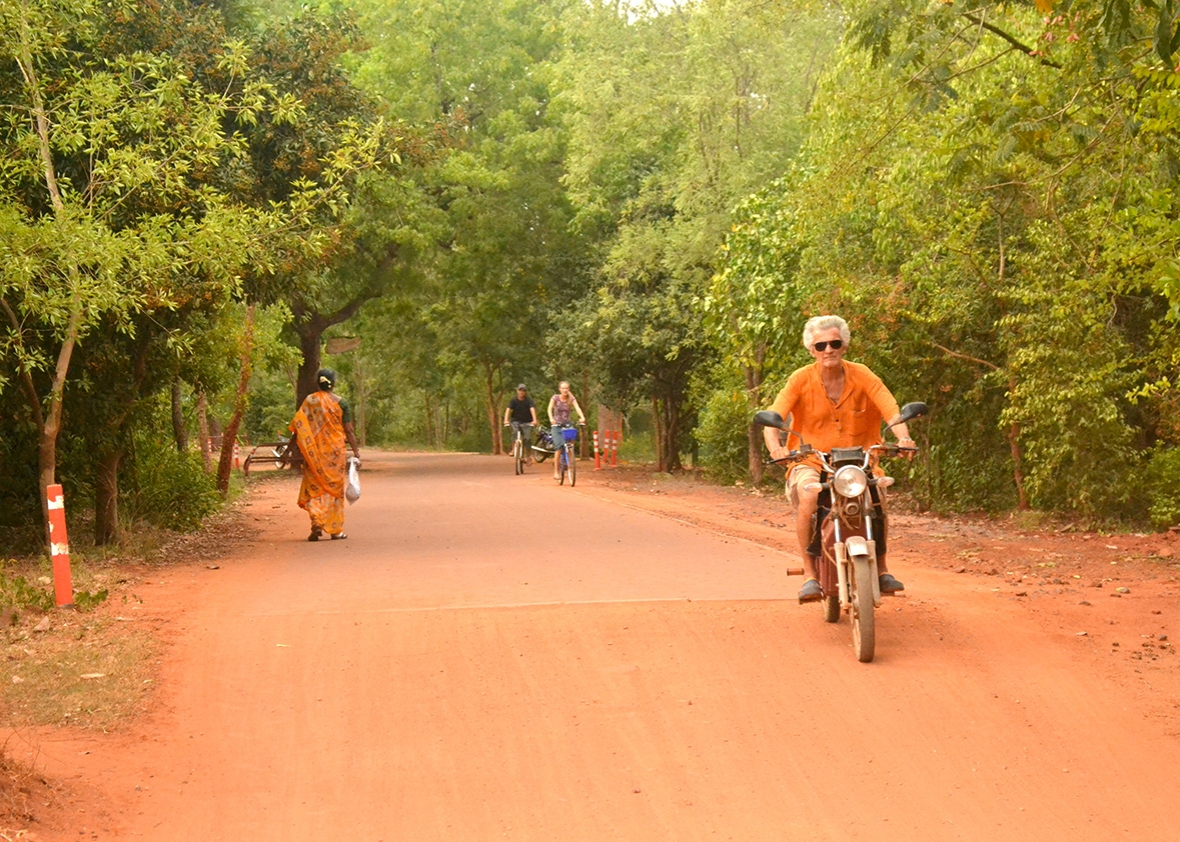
x=319 y=427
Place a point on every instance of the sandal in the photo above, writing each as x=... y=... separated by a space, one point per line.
x=811 y=591
x=889 y=583
x=316 y=532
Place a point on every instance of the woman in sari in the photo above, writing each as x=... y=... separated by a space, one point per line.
x=321 y=426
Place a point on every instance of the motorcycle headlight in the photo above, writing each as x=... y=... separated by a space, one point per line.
x=850 y=481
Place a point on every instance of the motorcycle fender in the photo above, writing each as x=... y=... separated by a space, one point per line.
x=857 y=546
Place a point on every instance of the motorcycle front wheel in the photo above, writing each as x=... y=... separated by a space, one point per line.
x=864 y=633
x=831 y=609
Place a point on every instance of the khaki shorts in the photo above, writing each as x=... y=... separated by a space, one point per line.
x=798 y=477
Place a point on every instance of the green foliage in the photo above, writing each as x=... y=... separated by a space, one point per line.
x=998 y=229
x=477 y=307
x=167 y=488
x=721 y=432
x=1162 y=486
x=89 y=600
x=17 y=592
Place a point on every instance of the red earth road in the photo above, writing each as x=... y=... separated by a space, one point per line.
x=495 y=657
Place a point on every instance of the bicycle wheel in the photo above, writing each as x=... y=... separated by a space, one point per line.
x=518 y=455
x=572 y=460
x=562 y=466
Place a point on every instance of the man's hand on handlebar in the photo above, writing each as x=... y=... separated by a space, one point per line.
x=777 y=454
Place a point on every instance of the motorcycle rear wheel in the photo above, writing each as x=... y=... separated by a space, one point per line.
x=864 y=633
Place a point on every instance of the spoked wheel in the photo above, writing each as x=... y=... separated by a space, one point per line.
x=864 y=635
x=518 y=456
x=571 y=459
x=561 y=466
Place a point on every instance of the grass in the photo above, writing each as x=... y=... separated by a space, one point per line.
x=72 y=668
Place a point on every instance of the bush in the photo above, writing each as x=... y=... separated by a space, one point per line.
x=168 y=488
x=1163 y=487
x=17 y=592
x=722 y=434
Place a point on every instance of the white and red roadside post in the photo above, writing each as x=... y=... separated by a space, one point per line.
x=597 y=462
x=59 y=548
x=614 y=449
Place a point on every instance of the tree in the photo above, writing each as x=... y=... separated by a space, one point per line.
x=675 y=117
x=112 y=208
x=507 y=258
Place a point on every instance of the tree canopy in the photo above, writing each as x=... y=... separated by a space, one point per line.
x=645 y=198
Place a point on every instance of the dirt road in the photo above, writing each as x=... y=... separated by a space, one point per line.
x=493 y=657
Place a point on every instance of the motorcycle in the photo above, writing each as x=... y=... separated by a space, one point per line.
x=846 y=523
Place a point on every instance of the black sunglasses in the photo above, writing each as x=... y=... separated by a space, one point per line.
x=836 y=344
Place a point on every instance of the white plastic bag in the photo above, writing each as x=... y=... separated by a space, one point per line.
x=352 y=489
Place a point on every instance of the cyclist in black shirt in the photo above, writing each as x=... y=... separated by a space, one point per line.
x=521 y=414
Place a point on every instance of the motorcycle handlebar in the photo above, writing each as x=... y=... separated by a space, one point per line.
x=796 y=455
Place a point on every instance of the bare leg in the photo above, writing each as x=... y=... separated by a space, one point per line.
x=808 y=503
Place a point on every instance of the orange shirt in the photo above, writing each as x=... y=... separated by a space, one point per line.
x=854 y=420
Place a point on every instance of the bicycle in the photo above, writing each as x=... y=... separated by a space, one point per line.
x=520 y=456
x=567 y=459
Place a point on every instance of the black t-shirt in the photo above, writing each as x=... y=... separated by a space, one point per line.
x=521 y=409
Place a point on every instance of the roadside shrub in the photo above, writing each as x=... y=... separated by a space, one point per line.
x=1163 y=487
x=722 y=434
x=168 y=488
x=18 y=592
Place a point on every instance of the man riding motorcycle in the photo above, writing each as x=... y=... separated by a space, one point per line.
x=832 y=403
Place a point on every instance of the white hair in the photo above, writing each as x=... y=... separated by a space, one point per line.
x=821 y=323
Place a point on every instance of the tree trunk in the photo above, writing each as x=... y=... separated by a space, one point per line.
x=657 y=419
x=106 y=497
x=431 y=438
x=310 y=326
x=179 y=430
x=753 y=433
x=1017 y=458
x=229 y=435
x=585 y=439
x=671 y=445
x=51 y=425
x=493 y=409
x=310 y=335
x=360 y=404
x=203 y=432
